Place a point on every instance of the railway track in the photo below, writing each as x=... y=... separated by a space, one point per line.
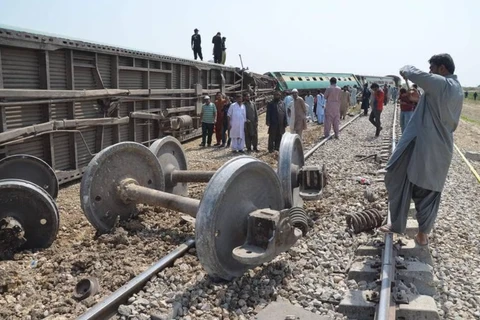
x=108 y=307
x=312 y=275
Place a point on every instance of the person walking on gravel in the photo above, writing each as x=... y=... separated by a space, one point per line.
x=236 y=124
x=208 y=116
x=344 y=102
x=276 y=122
x=377 y=108
x=419 y=165
x=365 y=99
x=298 y=114
x=251 y=127
x=332 y=108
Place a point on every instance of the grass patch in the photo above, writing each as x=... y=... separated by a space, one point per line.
x=467 y=119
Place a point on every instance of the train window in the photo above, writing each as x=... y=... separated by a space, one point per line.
x=300 y=79
x=339 y=79
x=314 y=79
x=321 y=79
x=292 y=78
x=349 y=79
x=307 y=78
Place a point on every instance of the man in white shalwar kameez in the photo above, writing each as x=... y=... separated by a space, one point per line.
x=288 y=102
x=320 y=107
x=353 y=96
x=237 y=117
x=309 y=100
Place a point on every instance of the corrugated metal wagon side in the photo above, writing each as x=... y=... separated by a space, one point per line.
x=65 y=100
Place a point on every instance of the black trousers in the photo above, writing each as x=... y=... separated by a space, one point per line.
x=375 y=120
x=275 y=134
x=197 y=51
x=217 y=57
x=207 y=132
x=251 y=140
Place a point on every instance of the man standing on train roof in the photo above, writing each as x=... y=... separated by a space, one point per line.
x=365 y=99
x=236 y=124
x=288 y=102
x=298 y=114
x=320 y=107
x=332 y=108
x=224 y=51
x=219 y=103
x=196 y=44
x=309 y=100
x=377 y=108
x=419 y=165
x=353 y=96
x=276 y=120
x=251 y=126
x=217 y=48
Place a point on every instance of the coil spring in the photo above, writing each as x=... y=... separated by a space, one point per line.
x=299 y=219
x=364 y=221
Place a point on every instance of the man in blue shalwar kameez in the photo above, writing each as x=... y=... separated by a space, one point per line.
x=419 y=165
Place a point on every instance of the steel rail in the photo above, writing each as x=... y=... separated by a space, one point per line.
x=322 y=142
x=469 y=165
x=108 y=307
x=385 y=309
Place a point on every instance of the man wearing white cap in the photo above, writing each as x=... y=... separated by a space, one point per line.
x=298 y=121
x=208 y=116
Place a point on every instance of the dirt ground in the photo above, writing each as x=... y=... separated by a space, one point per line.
x=467 y=135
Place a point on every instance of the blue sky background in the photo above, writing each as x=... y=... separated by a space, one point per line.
x=366 y=37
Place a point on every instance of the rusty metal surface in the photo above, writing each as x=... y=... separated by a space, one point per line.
x=30 y=168
x=270 y=232
x=131 y=192
x=33 y=208
x=100 y=198
x=290 y=161
x=62 y=73
x=220 y=227
x=171 y=157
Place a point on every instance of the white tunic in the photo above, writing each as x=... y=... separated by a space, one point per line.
x=238 y=116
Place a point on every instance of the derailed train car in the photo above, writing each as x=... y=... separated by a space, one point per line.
x=311 y=81
x=64 y=100
x=393 y=81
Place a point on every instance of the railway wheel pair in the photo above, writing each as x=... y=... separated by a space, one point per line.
x=241 y=221
x=29 y=217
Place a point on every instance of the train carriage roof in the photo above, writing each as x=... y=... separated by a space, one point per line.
x=312 y=80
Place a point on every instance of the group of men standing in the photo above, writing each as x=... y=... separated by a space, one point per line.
x=219 y=48
x=238 y=120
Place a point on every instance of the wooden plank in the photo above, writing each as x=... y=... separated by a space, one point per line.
x=72 y=93
x=146 y=115
x=144 y=69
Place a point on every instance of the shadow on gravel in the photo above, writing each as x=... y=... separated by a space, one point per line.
x=253 y=290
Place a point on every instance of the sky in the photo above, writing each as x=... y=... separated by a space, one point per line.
x=351 y=36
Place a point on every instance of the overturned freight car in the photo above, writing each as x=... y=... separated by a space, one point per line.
x=65 y=100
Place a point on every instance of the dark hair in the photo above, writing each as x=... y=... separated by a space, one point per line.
x=403 y=90
x=443 y=59
x=374 y=86
x=333 y=80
